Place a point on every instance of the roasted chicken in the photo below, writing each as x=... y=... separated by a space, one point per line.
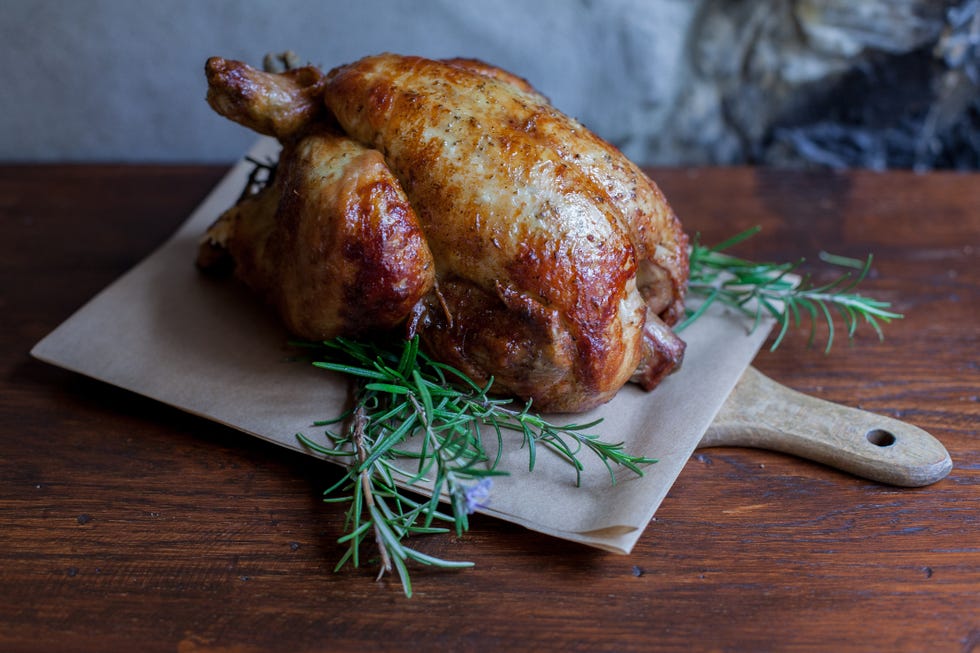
x=449 y=199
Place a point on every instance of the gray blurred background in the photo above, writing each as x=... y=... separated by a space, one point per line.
x=804 y=83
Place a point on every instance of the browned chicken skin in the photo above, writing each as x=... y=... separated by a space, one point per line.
x=279 y=105
x=526 y=248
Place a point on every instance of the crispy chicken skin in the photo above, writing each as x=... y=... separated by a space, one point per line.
x=488 y=70
x=556 y=265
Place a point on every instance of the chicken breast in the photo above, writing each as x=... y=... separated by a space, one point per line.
x=553 y=252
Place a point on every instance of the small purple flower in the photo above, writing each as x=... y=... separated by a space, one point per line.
x=477 y=495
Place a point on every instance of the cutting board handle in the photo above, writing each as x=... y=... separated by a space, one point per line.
x=764 y=414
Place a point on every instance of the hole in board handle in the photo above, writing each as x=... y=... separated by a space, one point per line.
x=880 y=437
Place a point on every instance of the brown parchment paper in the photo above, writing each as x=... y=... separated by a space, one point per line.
x=207 y=347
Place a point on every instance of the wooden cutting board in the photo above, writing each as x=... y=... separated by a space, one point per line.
x=764 y=414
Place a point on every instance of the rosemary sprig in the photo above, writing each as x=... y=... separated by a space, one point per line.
x=417 y=420
x=755 y=289
x=262 y=174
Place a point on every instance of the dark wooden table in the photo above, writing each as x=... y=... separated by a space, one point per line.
x=126 y=525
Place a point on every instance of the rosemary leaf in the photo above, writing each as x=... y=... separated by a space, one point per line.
x=756 y=288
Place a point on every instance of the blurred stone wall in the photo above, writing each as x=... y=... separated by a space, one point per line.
x=873 y=83
x=870 y=83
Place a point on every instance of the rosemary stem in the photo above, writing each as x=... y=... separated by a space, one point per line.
x=358 y=419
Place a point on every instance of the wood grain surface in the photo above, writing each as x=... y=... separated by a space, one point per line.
x=126 y=525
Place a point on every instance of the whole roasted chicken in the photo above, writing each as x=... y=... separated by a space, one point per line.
x=449 y=199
